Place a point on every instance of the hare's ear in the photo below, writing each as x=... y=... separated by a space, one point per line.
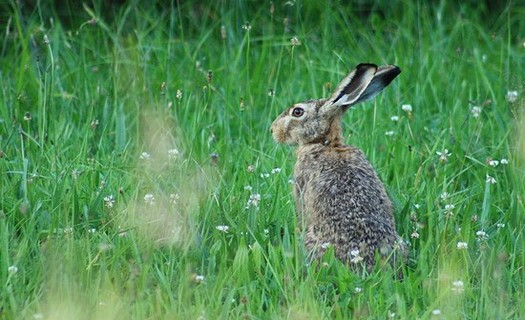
x=363 y=83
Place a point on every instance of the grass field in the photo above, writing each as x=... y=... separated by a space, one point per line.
x=139 y=180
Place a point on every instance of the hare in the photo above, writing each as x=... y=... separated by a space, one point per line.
x=339 y=198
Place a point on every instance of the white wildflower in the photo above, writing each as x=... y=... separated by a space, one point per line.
x=414 y=235
x=475 y=111
x=490 y=180
x=358 y=289
x=504 y=161
x=265 y=175
x=246 y=26
x=417 y=206
x=178 y=95
x=443 y=155
x=500 y=225
x=462 y=245
x=482 y=235
x=493 y=163
x=295 y=41
x=406 y=108
x=254 y=200
x=291 y=181
x=248 y=188
x=199 y=278
x=174 y=198
x=12 y=269
x=266 y=232
x=173 y=153
x=92 y=230
x=444 y=196
x=145 y=156
x=223 y=228
x=449 y=207
x=109 y=201
x=512 y=96
x=436 y=312
x=325 y=245
x=149 y=198
x=394 y=118
x=356 y=258
x=389 y=133
x=458 y=286
x=276 y=170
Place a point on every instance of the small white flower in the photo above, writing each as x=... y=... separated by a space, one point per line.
x=389 y=133
x=326 y=245
x=199 y=278
x=248 y=188
x=500 y=225
x=358 y=289
x=414 y=235
x=12 y=269
x=253 y=201
x=406 y=108
x=109 y=201
x=265 y=175
x=462 y=245
x=475 y=111
x=417 y=206
x=92 y=230
x=458 y=286
x=504 y=161
x=38 y=316
x=178 y=95
x=512 y=96
x=246 y=26
x=443 y=155
x=149 y=198
x=295 y=41
x=356 y=258
x=276 y=170
x=145 y=156
x=68 y=230
x=436 y=312
x=493 y=163
x=223 y=228
x=173 y=153
x=490 y=180
x=444 y=196
x=291 y=181
x=449 y=207
x=394 y=118
x=174 y=198
x=482 y=235
x=266 y=232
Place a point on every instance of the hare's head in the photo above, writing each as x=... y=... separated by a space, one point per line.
x=318 y=121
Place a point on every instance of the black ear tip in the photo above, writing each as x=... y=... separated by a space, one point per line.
x=366 y=65
x=388 y=74
x=396 y=70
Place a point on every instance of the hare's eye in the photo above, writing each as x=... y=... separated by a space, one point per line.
x=297 y=112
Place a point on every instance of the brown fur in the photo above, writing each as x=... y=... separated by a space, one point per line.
x=339 y=198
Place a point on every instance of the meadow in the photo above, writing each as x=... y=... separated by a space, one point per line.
x=139 y=179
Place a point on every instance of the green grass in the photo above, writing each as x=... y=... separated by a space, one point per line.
x=85 y=90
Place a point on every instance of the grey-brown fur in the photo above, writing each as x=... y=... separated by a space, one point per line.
x=339 y=198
